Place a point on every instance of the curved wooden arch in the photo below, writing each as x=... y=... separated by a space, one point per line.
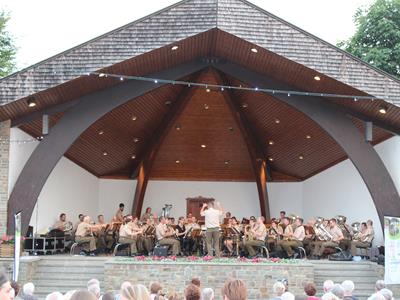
x=334 y=121
x=76 y=120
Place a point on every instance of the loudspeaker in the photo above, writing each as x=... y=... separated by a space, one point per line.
x=161 y=251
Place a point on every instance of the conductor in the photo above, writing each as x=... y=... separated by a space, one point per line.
x=212 y=216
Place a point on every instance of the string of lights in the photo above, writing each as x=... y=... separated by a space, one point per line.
x=20 y=141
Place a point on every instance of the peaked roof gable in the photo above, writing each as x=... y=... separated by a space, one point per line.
x=188 y=18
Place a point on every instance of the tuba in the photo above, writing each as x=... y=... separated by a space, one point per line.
x=321 y=232
x=341 y=221
x=356 y=226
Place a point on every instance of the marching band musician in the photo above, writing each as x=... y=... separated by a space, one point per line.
x=274 y=234
x=84 y=234
x=165 y=236
x=364 y=239
x=259 y=232
x=129 y=234
x=212 y=216
x=294 y=240
x=336 y=236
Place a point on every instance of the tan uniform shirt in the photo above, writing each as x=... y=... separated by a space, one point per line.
x=59 y=225
x=336 y=233
x=288 y=231
x=161 y=229
x=260 y=232
x=119 y=217
x=368 y=235
x=126 y=231
x=83 y=229
x=299 y=234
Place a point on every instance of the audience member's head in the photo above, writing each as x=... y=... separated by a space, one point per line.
x=141 y=292
x=278 y=288
x=127 y=292
x=234 y=289
x=15 y=286
x=93 y=281
x=94 y=288
x=108 y=296
x=155 y=288
x=388 y=294
x=68 y=295
x=380 y=284
x=196 y=281
x=376 y=296
x=83 y=295
x=287 y=296
x=348 y=287
x=58 y=296
x=192 y=292
x=5 y=287
x=310 y=289
x=338 y=291
x=329 y=296
x=28 y=289
x=328 y=284
x=207 y=294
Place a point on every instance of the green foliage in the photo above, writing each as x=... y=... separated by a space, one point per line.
x=377 y=40
x=7 y=48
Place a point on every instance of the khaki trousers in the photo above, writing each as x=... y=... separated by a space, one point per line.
x=212 y=241
x=252 y=244
x=320 y=247
x=357 y=244
x=131 y=242
x=90 y=239
x=175 y=244
x=289 y=246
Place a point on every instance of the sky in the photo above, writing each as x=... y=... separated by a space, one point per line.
x=43 y=28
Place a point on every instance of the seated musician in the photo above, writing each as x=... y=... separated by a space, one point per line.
x=62 y=224
x=84 y=234
x=147 y=215
x=308 y=241
x=259 y=233
x=129 y=232
x=282 y=216
x=294 y=240
x=146 y=241
x=99 y=231
x=80 y=220
x=165 y=236
x=274 y=234
x=119 y=215
x=234 y=235
x=181 y=231
x=364 y=239
x=336 y=235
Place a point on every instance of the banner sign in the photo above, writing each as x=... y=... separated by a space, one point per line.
x=17 y=245
x=392 y=250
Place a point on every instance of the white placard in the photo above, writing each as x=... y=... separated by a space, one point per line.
x=392 y=250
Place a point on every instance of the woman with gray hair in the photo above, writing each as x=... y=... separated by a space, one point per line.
x=5 y=287
x=278 y=289
x=207 y=294
x=141 y=292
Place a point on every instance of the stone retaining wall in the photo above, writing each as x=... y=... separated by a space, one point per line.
x=259 y=278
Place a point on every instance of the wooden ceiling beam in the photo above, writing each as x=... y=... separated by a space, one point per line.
x=256 y=152
x=143 y=169
x=331 y=118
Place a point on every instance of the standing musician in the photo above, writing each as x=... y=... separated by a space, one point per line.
x=84 y=233
x=165 y=236
x=282 y=216
x=294 y=240
x=212 y=216
x=364 y=239
x=274 y=234
x=147 y=215
x=336 y=236
x=259 y=232
x=129 y=234
x=119 y=215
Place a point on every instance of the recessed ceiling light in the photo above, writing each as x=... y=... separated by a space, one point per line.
x=134 y=118
x=102 y=75
x=31 y=102
x=230 y=128
x=174 y=48
x=101 y=132
x=105 y=153
x=270 y=158
x=271 y=142
x=277 y=121
x=383 y=109
x=254 y=50
x=203 y=146
x=317 y=78
x=208 y=90
x=308 y=136
x=136 y=140
x=245 y=105
x=206 y=106
x=177 y=161
x=226 y=162
x=167 y=102
x=301 y=157
x=133 y=156
x=178 y=127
